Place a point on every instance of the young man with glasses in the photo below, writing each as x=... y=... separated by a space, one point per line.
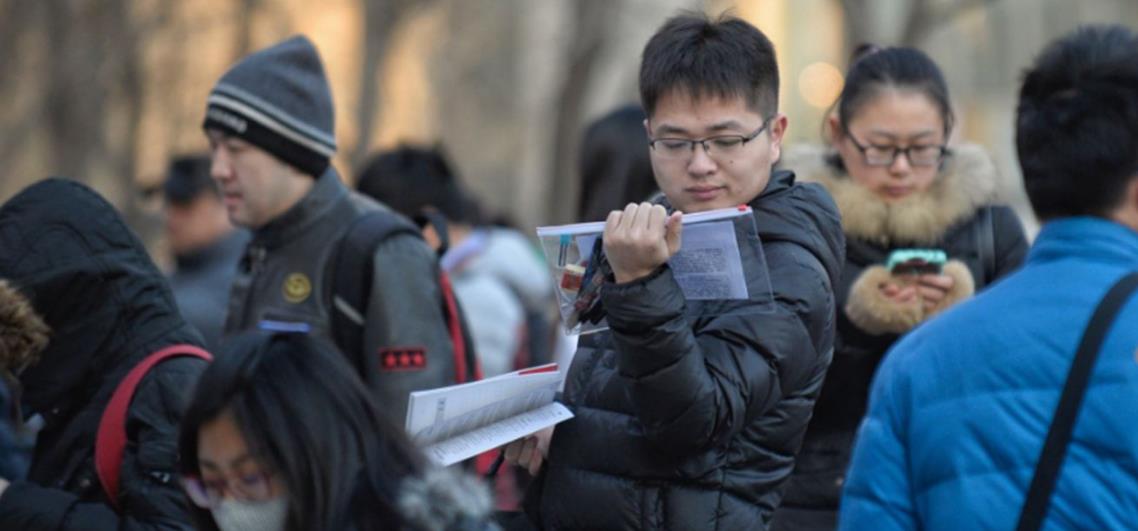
x=689 y=417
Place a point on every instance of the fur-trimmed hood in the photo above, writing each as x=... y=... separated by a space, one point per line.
x=966 y=182
x=446 y=499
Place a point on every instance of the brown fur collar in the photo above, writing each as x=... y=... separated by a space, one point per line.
x=967 y=182
x=23 y=334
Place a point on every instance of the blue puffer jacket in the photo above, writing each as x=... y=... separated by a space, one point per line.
x=960 y=407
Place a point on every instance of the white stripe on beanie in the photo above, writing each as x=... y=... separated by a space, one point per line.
x=268 y=108
x=272 y=123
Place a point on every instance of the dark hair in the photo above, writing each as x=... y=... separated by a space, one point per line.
x=873 y=68
x=615 y=166
x=725 y=57
x=187 y=178
x=1077 y=123
x=305 y=414
x=411 y=178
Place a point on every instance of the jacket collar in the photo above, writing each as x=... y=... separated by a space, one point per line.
x=1088 y=238
x=323 y=196
x=966 y=182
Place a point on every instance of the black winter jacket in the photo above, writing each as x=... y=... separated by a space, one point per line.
x=689 y=414
x=983 y=243
x=67 y=250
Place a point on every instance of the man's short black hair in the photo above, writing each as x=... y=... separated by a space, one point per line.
x=701 y=57
x=187 y=178
x=411 y=178
x=1077 y=123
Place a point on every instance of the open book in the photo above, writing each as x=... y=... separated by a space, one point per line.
x=456 y=423
x=708 y=265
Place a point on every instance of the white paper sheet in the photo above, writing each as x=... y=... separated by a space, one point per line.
x=462 y=447
x=460 y=421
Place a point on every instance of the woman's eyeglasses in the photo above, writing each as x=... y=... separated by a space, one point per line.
x=208 y=493
x=920 y=155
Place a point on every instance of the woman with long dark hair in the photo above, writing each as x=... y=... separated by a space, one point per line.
x=282 y=435
x=905 y=194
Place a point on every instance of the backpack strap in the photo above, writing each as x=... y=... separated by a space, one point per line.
x=466 y=365
x=351 y=286
x=986 y=242
x=110 y=441
x=352 y=276
x=1063 y=424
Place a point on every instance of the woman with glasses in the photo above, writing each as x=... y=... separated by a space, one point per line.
x=922 y=234
x=282 y=435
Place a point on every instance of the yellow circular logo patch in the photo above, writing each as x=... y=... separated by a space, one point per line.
x=297 y=287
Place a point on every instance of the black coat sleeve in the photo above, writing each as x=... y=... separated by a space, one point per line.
x=149 y=492
x=694 y=386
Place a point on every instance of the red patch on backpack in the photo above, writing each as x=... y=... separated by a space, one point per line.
x=403 y=359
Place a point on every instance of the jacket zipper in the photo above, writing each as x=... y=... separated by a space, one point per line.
x=257 y=255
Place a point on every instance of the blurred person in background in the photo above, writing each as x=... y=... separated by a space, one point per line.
x=898 y=186
x=109 y=309
x=206 y=247
x=1019 y=405
x=614 y=164
x=265 y=446
x=499 y=277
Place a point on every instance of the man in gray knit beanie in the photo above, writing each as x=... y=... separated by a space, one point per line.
x=270 y=123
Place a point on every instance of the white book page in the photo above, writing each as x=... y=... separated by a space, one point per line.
x=474 y=442
x=708 y=265
x=437 y=414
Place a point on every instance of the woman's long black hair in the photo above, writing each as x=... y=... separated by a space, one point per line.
x=307 y=416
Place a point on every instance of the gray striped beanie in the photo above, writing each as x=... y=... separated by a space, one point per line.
x=278 y=100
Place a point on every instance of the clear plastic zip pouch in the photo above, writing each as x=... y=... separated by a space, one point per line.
x=720 y=268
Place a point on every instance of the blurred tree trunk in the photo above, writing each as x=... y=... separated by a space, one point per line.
x=243 y=39
x=381 y=19
x=591 y=24
x=74 y=102
x=926 y=17
x=131 y=83
x=94 y=93
x=15 y=24
x=923 y=17
x=858 y=21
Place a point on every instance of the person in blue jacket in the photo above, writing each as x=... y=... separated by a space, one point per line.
x=960 y=408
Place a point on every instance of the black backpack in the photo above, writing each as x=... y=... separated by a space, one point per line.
x=351 y=284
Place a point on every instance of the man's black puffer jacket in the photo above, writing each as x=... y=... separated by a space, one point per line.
x=67 y=250
x=689 y=414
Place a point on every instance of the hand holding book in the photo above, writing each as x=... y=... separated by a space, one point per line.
x=640 y=239
x=706 y=262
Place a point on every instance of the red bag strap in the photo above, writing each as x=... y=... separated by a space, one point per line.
x=110 y=442
x=457 y=337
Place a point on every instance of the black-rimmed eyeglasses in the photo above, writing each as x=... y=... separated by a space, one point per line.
x=718 y=146
x=918 y=155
